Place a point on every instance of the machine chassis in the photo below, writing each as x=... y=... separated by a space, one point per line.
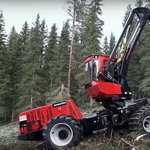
x=95 y=122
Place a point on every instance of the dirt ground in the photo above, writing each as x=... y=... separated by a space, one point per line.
x=118 y=139
x=114 y=140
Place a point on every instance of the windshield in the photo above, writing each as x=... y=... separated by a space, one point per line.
x=91 y=69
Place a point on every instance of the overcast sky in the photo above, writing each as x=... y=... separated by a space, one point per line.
x=16 y=12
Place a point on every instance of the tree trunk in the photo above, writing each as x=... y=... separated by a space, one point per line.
x=31 y=102
x=91 y=102
x=12 y=116
x=5 y=116
x=71 y=47
x=62 y=89
x=51 y=84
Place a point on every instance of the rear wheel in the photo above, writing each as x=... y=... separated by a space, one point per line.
x=62 y=132
x=140 y=120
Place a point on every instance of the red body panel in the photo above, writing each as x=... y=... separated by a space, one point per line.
x=102 y=89
x=45 y=113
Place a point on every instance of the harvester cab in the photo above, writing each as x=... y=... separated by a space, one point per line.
x=96 y=85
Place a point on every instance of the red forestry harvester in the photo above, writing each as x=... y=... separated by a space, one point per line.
x=61 y=125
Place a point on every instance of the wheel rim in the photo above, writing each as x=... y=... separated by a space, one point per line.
x=146 y=124
x=61 y=134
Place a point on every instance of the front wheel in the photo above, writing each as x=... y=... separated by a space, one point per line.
x=62 y=132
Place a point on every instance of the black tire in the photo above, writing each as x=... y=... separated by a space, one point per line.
x=136 y=123
x=72 y=124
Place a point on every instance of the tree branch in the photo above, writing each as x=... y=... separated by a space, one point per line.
x=123 y=140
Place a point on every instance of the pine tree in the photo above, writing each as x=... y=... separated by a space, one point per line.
x=76 y=10
x=5 y=100
x=14 y=49
x=134 y=64
x=24 y=38
x=80 y=29
x=31 y=90
x=24 y=35
x=44 y=40
x=63 y=50
x=112 y=43
x=23 y=41
x=90 y=39
x=60 y=65
x=93 y=28
x=79 y=43
x=50 y=62
x=139 y=3
x=71 y=56
x=144 y=55
x=105 y=46
x=43 y=46
x=75 y=82
x=127 y=13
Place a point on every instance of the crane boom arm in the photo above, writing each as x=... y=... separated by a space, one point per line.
x=139 y=15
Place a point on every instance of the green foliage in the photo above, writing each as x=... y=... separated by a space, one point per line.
x=63 y=50
x=15 y=62
x=112 y=43
x=108 y=47
x=4 y=72
x=133 y=68
x=128 y=11
x=50 y=68
x=144 y=51
x=89 y=37
x=139 y=3
x=137 y=65
x=93 y=29
x=31 y=89
x=23 y=41
x=105 y=46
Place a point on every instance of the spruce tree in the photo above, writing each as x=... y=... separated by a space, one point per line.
x=144 y=55
x=134 y=63
x=5 y=99
x=127 y=13
x=23 y=41
x=24 y=35
x=59 y=68
x=91 y=35
x=80 y=30
x=139 y=3
x=75 y=87
x=93 y=29
x=14 y=49
x=112 y=43
x=63 y=50
x=78 y=46
x=105 y=46
x=31 y=90
x=44 y=41
x=50 y=68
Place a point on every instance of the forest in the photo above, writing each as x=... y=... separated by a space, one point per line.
x=38 y=67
